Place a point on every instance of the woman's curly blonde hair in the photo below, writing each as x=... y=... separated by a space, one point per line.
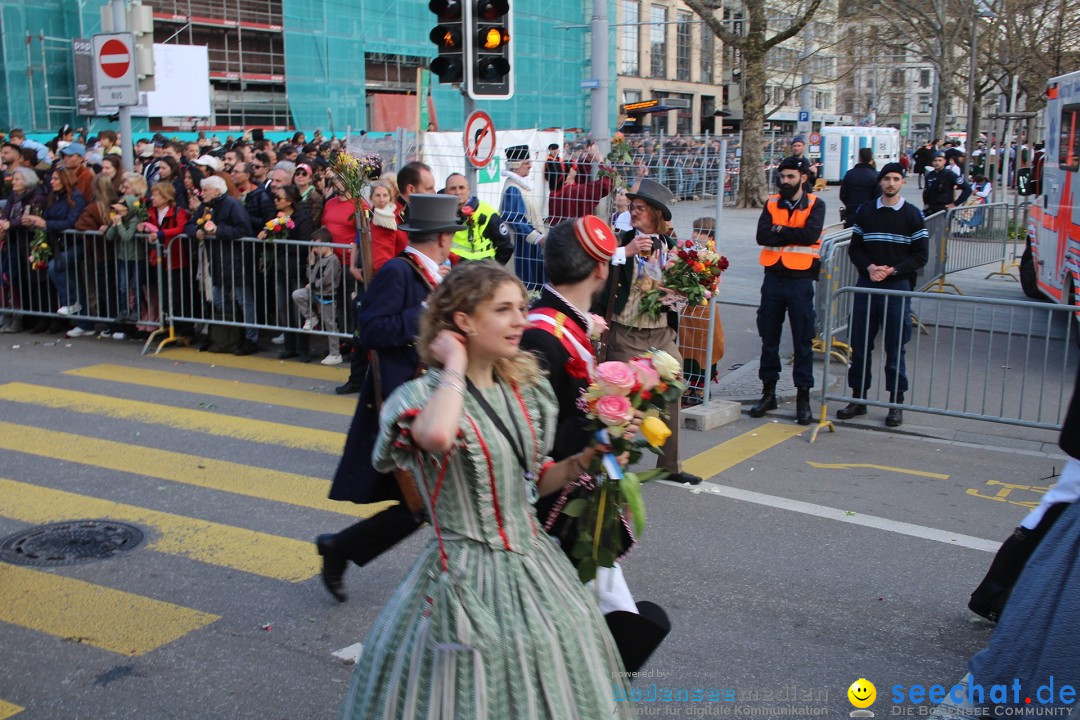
x=468 y=285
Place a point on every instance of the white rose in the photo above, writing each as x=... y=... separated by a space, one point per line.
x=667 y=367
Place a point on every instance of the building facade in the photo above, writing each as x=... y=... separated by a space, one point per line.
x=664 y=52
x=301 y=64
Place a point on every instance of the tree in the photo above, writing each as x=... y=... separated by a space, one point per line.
x=753 y=47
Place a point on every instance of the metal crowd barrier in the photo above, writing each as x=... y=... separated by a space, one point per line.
x=836 y=272
x=701 y=343
x=1004 y=361
x=95 y=281
x=968 y=237
x=259 y=285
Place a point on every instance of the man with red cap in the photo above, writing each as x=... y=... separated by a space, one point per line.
x=577 y=259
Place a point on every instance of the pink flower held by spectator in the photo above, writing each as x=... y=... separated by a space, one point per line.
x=615 y=378
x=614 y=410
x=646 y=374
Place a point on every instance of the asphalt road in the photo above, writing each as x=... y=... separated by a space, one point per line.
x=795 y=570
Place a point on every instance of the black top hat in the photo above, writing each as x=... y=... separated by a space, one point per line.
x=655 y=194
x=432 y=214
x=517 y=153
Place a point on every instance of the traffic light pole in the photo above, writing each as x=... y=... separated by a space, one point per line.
x=599 y=130
x=126 y=141
x=470 y=169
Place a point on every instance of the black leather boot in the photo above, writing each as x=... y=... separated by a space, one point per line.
x=333 y=568
x=852 y=409
x=767 y=401
x=803 y=415
x=895 y=418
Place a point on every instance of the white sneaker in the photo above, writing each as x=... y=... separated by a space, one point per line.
x=105 y=334
x=279 y=340
x=310 y=324
x=69 y=309
x=118 y=335
x=334 y=359
x=78 y=332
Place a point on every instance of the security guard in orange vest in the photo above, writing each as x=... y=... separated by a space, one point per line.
x=789 y=232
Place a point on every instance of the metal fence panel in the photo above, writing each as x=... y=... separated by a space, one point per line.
x=1005 y=361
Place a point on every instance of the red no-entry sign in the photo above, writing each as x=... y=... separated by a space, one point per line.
x=114 y=58
x=115 y=82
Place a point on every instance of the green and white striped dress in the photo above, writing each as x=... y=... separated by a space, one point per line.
x=491 y=623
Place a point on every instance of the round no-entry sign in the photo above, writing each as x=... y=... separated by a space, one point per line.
x=114 y=58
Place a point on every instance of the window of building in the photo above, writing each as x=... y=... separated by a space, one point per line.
x=658 y=41
x=708 y=49
x=1069 y=142
x=628 y=56
x=924 y=78
x=631 y=96
x=682 y=46
x=924 y=103
x=822 y=100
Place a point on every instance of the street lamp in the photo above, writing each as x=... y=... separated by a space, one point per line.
x=984 y=12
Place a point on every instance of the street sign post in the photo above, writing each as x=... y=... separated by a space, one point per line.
x=803 y=126
x=115 y=80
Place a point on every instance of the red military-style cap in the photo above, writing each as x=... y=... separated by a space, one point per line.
x=596 y=237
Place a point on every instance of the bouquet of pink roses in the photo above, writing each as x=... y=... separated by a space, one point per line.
x=619 y=392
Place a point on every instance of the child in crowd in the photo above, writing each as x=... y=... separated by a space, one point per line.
x=130 y=262
x=324 y=282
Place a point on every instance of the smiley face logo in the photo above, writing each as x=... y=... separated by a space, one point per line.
x=862 y=693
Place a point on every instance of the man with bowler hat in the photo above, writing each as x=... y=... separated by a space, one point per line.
x=389 y=323
x=632 y=330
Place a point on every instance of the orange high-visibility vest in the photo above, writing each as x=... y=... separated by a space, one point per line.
x=793 y=257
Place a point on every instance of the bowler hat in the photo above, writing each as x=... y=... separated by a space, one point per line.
x=655 y=194
x=432 y=214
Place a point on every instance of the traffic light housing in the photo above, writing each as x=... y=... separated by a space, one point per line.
x=489 y=52
x=448 y=37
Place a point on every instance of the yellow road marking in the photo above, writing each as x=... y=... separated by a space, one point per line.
x=177 y=467
x=727 y=454
x=241 y=428
x=8 y=709
x=209 y=542
x=887 y=468
x=1006 y=490
x=235 y=390
x=260 y=363
x=82 y=612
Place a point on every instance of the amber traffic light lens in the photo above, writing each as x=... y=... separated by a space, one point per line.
x=446 y=37
x=494 y=38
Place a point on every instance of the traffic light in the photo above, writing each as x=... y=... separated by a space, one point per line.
x=488 y=70
x=448 y=37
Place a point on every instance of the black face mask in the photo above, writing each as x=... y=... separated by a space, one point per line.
x=788 y=191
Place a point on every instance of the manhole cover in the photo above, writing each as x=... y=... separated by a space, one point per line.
x=69 y=543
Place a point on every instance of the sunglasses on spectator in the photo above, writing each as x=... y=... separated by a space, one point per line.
x=301 y=172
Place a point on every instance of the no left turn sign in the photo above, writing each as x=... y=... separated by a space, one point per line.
x=479 y=139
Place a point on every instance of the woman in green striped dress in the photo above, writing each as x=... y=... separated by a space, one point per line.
x=492 y=622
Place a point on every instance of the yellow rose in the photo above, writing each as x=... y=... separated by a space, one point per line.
x=655 y=431
x=667 y=367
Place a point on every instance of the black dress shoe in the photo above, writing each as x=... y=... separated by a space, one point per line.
x=286 y=354
x=205 y=343
x=303 y=357
x=684 y=477
x=895 y=418
x=333 y=568
x=348 y=388
x=851 y=410
x=247 y=348
x=41 y=327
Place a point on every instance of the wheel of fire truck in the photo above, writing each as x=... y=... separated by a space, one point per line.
x=1028 y=279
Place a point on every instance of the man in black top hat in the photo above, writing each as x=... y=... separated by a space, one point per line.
x=389 y=323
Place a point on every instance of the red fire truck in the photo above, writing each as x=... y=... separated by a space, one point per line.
x=1050 y=265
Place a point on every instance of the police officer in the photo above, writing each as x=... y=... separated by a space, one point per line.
x=939 y=192
x=789 y=231
x=485 y=235
x=798 y=147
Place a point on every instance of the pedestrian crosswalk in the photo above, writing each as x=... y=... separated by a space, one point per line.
x=80 y=420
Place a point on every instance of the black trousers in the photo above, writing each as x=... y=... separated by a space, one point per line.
x=366 y=540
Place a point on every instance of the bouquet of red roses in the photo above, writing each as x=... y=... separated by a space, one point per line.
x=278 y=228
x=618 y=392
x=690 y=277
